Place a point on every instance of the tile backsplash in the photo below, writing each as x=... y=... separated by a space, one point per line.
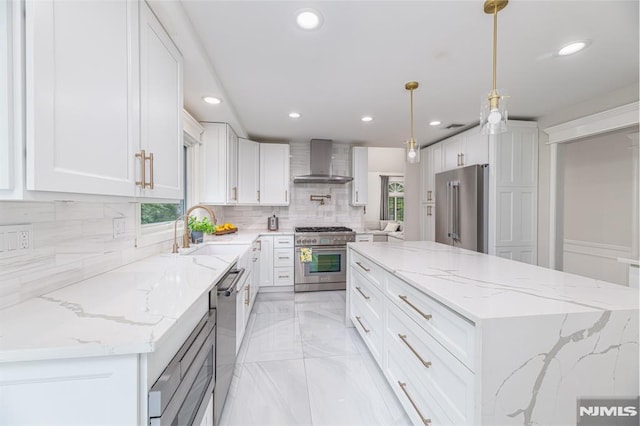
x=302 y=212
x=72 y=241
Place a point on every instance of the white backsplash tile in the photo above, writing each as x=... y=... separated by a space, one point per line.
x=72 y=241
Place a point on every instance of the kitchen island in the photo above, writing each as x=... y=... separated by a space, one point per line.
x=468 y=338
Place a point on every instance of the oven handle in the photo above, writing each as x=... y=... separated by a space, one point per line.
x=323 y=248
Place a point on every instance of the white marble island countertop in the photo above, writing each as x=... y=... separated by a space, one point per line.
x=127 y=310
x=481 y=287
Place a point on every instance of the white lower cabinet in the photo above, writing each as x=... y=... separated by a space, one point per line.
x=276 y=260
x=425 y=350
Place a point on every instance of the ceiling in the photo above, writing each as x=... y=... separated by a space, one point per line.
x=252 y=54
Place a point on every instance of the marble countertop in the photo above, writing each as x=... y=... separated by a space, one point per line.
x=482 y=287
x=127 y=310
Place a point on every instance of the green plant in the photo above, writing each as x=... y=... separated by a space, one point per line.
x=203 y=225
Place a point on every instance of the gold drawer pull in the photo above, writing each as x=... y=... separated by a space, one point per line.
x=363 y=295
x=403 y=386
x=403 y=337
x=362 y=325
x=360 y=265
x=405 y=300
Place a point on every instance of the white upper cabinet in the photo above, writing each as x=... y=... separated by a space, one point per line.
x=248 y=172
x=81 y=91
x=360 y=173
x=103 y=82
x=6 y=107
x=219 y=164
x=160 y=107
x=274 y=174
x=465 y=149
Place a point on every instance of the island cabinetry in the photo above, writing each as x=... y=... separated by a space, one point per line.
x=372 y=272
x=367 y=313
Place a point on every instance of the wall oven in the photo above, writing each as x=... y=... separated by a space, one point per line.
x=321 y=258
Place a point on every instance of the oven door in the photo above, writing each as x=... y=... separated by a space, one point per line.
x=328 y=265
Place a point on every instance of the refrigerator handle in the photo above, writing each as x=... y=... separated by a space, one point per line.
x=449 y=209
x=455 y=195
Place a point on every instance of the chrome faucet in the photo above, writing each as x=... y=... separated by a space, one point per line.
x=185 y=236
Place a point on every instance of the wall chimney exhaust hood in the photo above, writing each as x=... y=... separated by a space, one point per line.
x=321 y=167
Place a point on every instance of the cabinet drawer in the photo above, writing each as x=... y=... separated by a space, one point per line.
x=421 y=408
x=451 y=330
x=282 y=241
x=370 y=297
x=442 y=376
x=370 y=270
x=369 y=326
x=282 y=257
x=283 y=276
x=364 y=238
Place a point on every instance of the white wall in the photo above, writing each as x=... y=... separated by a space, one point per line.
x=605 y=102
x=600 y=209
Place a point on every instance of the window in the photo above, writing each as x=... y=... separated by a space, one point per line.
x=396 y=199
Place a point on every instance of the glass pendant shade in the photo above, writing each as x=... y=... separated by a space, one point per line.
x=413 y=151
x=493 y=113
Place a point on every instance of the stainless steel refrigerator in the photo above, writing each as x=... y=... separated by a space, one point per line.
x=462 y=207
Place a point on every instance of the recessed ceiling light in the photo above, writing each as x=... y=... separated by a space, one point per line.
x=308 y=19
x=211 y=100
x=435 y=123
x=573 y=47
x=367 y=118
x=294 y=115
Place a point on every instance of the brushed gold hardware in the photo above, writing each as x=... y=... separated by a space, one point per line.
x=286 y=196
x=403 y=337
x=246 y=290
x=320 y=198
x=185 y=229
x=413 y=150
x=363 y=295
x=283 y=257
x=429 y=212
x=462 y=158
x=429 y=195
x=362 y=325
x=258 y=195
x=235 y=193
x=356 y=196
x=151 y=180
x=491 y=6
x=405 y=300
x=143 y=158
x=283 y=276
x=363 y=267
x=403 y=386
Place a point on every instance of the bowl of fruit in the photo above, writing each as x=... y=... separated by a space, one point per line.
x=225 y=228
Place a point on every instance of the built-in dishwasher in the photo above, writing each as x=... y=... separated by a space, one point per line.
x=226 y=337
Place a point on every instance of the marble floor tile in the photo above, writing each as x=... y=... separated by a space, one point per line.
x=343 y=344
x=269 y=393
x=341 y=392
x=322 y=324
x=274 y=337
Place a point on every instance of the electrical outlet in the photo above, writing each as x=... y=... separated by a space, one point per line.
x=119 y=227
x=15 y=240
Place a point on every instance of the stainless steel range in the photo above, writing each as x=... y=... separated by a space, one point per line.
x=321 y=257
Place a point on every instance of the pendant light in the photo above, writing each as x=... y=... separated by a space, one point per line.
x=493 y=115
x=413 y=150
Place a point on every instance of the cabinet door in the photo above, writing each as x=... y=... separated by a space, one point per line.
x=360 y=170
x=266 y=261
x=160 y=107
x=476 y=148
x=435 y=166
x=425 y=173
x=451 y=150
x=232 y=166
x=240 y=311
x=6 y=111
x=248 y=171
x=427 y=222
x=81 y=88
x=274 y=174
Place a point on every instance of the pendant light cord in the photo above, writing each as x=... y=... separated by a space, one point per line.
x=495 y=43
x=411 y=114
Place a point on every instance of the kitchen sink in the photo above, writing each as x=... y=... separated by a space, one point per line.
x=219 y=250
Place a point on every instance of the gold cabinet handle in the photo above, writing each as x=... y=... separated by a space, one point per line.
x=247 y=289
x=142 y=155
x=429 y=195
x=151 y=180
x=363 y=295
x=356 y=196
x=405 y=300
x=362 y=325
x=235 y=193
x=462 y=158
x=286 y=196
x=403 y=337
x=258 y=195
x=363 y=267
x=403 y=386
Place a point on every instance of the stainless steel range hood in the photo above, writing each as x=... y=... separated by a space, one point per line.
x=321 y=167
